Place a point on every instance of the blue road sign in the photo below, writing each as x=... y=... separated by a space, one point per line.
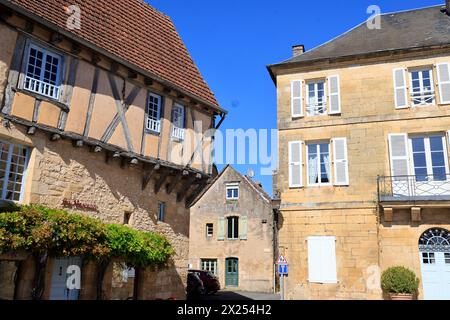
x=283 y=269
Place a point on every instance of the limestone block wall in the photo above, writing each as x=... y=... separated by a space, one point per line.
x=59 y=171
x=356 y=235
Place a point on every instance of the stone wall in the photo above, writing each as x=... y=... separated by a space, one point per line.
x=59 y=171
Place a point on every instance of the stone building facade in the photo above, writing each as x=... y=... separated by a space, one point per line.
x=363 y=147
x=103 y=132
x=233 y=233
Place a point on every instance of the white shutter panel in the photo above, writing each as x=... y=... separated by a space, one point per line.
x=334 y=92
x=329 y=274
x=340 y=158
x=243 y=228
x=400 y=89
x=448 y=141
x=295 y=164
x=443 y=72
x=221 y=229
x=314 y=259
x=398 y=149
x=297 y=98
x=322 y=260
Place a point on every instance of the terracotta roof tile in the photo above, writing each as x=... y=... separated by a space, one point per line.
x=132 y=31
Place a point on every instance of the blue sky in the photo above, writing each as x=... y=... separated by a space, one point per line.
x=232 y=41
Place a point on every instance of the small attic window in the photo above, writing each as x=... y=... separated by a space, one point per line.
x=232 y=190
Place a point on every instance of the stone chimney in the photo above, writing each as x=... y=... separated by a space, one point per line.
x=299 y=49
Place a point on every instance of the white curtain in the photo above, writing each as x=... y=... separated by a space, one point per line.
x=326 y=160
x=312 y=169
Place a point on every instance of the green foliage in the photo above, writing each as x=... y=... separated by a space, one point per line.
x=39 y=229
x=399 y=280
x=138 y=248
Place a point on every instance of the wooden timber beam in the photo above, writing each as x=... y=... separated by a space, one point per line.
x=187 y=186
x=174 y=182
x=195 y=193
x=162 y=178
x=149 y=174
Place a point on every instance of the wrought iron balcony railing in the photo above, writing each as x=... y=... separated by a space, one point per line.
x=414 y=188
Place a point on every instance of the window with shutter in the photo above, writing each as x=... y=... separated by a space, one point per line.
x=443 y=72
x=297 y=98
x=398 y=148
x=322 y=259
x=295 y=164
x=400 y=89
x=340 y=158
x=334 y=95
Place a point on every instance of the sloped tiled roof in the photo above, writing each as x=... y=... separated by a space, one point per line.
x=416 y=28
x=132 y=31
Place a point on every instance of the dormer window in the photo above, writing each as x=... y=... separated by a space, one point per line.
x=154 y=113
x=422 y=87
x=178 y=122
x=43 y=72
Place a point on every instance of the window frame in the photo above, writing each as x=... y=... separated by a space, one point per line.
x=428 y=156
x=210 y=262
x=178 y=131
x=158 y=113
x=411 y=86
x=8 y=164
x=316 y=91
x=161 y=211
x=59 y=74
x=232 y=186
x=234 y=227
x=330 y=178
x=210 y=227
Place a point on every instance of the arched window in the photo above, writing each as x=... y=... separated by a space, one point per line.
x=435 y=240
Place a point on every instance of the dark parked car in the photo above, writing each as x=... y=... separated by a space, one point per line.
x=194 y=285
x=211 y=283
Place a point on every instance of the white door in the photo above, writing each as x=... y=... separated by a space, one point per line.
x=435 y=264
x=59 y=289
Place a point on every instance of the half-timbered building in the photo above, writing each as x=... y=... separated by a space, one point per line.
x=103 y=111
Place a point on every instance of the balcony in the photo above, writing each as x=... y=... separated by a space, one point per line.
x=154 y=125
x=414 y=188
x=41 y=87
x=178 y=133
x=314 y=109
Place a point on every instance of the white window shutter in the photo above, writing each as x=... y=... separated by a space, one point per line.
x=297 y=98
x=398 y=149
x=295 y=164
x=314 y=259
x=400 y=89
x=448 y=141
x=340 y=160
x=334 y=92
x=243 y=227
x=443 y=75
x=221 y=229
x=322 y=259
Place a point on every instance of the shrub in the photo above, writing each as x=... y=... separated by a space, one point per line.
x=39 y=229
x=138 y=248
x=399 y=280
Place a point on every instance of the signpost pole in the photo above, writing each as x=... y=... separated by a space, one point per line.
x=282 y=286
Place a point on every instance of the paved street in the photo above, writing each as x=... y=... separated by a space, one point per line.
x=240 y=295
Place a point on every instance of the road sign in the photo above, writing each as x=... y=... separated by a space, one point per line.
x=282 y=269
x=281 y=260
